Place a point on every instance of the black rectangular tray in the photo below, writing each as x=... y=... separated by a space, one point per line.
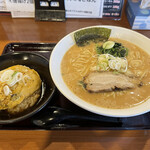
x=58 y=100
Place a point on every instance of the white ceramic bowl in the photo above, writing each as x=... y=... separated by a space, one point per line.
x=63 y=46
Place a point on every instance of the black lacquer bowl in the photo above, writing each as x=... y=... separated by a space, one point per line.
x=41 y=65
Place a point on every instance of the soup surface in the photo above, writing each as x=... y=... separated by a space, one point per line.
x=79 y=61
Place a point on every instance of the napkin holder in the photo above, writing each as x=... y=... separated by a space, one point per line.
x=49 y=10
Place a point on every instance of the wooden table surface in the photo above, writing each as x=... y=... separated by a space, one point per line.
x=29 y=30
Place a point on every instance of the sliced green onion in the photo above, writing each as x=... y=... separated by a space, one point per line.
x=108 y=44
x=14 y=73
x=6 y=76
x=6 y=90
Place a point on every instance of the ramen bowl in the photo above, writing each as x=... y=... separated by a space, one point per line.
x=55 y=69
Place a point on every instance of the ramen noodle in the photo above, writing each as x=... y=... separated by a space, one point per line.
x=78 y=62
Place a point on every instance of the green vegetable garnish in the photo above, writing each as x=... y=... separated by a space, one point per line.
x=113 y=48
x=115 y=72
x=83 y=37
x=82 y=84
x=14 y=73
x=108 y=45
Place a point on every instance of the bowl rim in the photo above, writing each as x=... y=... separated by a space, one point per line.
x=129 y=112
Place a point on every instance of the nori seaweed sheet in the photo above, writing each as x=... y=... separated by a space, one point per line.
x=96 y=34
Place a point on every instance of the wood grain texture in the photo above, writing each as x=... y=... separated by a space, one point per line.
x=75 y=140
x=29 y=30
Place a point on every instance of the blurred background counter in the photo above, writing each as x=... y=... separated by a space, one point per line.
x=29 y=30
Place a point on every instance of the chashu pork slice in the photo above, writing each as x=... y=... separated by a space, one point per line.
x=107 y=81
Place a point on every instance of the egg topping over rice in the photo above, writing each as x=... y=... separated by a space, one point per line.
x=17 y=83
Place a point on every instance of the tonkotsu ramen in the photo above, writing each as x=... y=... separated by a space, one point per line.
x=112 y=74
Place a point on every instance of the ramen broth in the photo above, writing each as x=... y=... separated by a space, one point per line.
x=79 y=61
